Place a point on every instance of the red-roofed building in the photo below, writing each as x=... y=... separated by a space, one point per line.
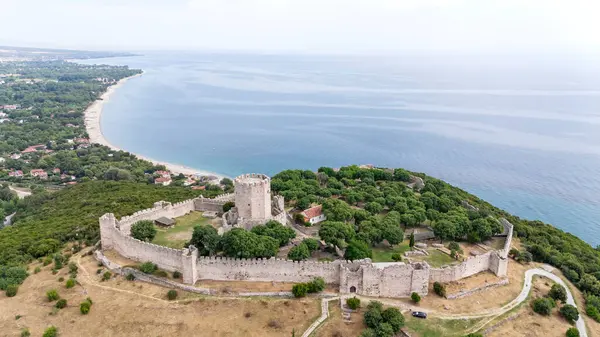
x=39 y=173
x=82 y=141
x=163 y=181
x=16 y=174
x=199 y=187
x=164 y=174
x=314 y=215
x=34 y=148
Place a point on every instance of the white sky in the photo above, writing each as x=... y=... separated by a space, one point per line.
x=305 y=25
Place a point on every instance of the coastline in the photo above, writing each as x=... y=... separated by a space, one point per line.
x=92 y=119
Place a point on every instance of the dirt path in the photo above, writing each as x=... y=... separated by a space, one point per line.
x=322 y=318
x=21 y=192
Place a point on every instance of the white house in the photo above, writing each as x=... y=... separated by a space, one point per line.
x=314 y=215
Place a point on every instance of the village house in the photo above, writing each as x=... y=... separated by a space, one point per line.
x=10 y=107
x=56 y=170
x=202 y=188
x=82 y=141
x=189 y=182
x=314 y=215
x=16 y=174
x=34 y=148
x=39 y=173
x=163 y=181
x=163 y=174
x=15 y=156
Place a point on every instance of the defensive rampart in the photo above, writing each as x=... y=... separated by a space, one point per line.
x=494 y=261
x=363 y=276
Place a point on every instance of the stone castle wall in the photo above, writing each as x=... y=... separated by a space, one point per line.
x=363 y=277
x=494 y=261
x=230 y=269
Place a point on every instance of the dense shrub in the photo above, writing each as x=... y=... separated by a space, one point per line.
x=143 y=230
x=62 y=303
x=454 y=246
x=316 y=285
x=543 y=305
x=353 y=303
x=300 y=289
x=84 y=307
x=276 y=230
x=148 y=267
x=106 y=276
x=11 y=290
x=52 y=295
x=176 y=274
x=439 y=289
x=415 y=297
x=25 y=333
x=51 y=331
x=397 y=257
x=37 y=270
x=70 y=283
x=11 y=275
x=558 y=293
x=172 y=294
x=130 y=277
x=228 y=205
x=161 y=273
x=572 y=332
x=570 y=313
x=73 y=267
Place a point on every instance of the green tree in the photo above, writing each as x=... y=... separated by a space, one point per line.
x=60 y=304
x=558 y=293
x=372 y=317
x=311 y=244
x=299 y=253
x=439 y=289
x=411 y=241
x=336 y=233
x=394 y=317
x=84 y=307
x=385 y=330
x=240 y=243
x=228 y=205
x=357 y=250
x=543 y=306
x=570 y=313
x=70 y=283
x=445 y=230
x=206 y=239
x=143 y=230
x=276 y=230
x=52 y=295
x=337 y=210
x=172 y=295
x=148 y=267
x=572 y=332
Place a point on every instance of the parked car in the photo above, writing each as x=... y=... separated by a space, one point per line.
x=419 y=314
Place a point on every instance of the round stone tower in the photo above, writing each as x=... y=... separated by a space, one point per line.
x=253 y=196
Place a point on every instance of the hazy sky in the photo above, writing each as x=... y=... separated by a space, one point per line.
x=305 y=25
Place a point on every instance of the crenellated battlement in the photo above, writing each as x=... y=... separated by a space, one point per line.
x=252 y=179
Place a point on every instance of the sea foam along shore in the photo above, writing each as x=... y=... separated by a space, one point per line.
x=93 y=115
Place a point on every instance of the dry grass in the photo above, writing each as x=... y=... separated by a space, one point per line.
x=335 y=326
x=123 y=308
x=531 y=324
x=494 y=298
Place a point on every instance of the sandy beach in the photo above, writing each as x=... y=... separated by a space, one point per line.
x=93 y=115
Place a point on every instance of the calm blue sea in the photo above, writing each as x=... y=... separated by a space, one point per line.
x=520 y=132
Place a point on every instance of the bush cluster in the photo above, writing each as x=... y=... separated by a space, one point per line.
x=382 y=323
x=353 y=303
x=52 y=295
x=543 y=305
x=415 y=297
x=85 y=306
x=439 y=289
x=172 y=294
x=314 y=286
x=148 y=267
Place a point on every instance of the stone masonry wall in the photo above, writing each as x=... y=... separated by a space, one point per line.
x=266 y=270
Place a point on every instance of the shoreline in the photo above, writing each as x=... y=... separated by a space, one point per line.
x=92 y=120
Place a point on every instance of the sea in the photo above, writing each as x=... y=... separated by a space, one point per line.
x=520 y=131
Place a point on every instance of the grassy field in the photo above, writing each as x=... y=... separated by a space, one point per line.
x=181 y=233
x=434 y=327
x=384 y=254
x=436 y=258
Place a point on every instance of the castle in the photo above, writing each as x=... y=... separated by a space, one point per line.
x=254 y=206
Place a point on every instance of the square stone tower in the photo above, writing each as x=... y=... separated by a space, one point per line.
x=253 y=196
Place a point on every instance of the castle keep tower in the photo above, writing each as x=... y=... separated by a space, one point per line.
x=253 y=197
